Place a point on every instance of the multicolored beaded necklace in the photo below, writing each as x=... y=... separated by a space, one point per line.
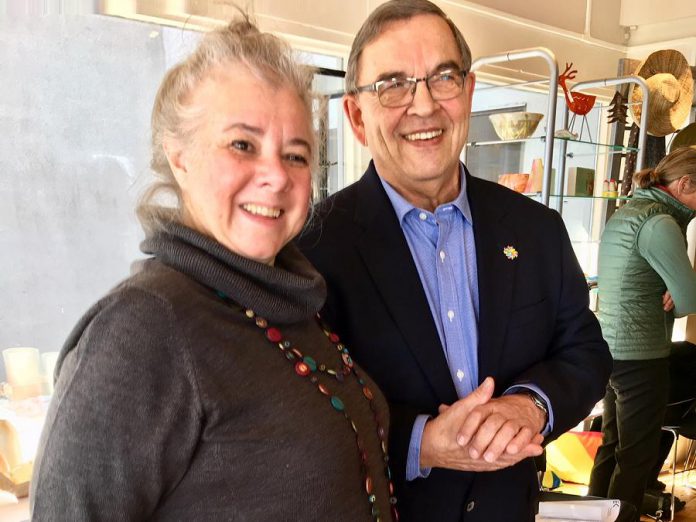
x=306 y=366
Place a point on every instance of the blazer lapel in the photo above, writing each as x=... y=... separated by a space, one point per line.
x=496 y=274
x=388 y=259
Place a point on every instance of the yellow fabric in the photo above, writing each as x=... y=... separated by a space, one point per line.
x=550 y=481
x=571 y=456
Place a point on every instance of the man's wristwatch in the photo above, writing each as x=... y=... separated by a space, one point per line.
x=539 y=402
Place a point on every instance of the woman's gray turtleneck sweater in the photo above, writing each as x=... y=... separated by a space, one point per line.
x=171 y=404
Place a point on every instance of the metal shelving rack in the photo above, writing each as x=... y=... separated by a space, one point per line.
x=605 y=82
x=550 y=59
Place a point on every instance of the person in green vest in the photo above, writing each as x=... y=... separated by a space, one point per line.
x=645 y=280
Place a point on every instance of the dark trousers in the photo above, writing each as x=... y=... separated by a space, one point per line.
x=634 y=408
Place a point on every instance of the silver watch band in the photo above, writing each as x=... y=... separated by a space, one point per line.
x=539 y=402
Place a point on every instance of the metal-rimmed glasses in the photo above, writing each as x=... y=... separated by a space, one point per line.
x=399 y=91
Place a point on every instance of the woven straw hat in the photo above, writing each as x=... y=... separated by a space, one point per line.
x=685 y=137
x=671 y=88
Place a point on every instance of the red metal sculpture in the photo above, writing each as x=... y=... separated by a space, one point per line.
x=578 y=103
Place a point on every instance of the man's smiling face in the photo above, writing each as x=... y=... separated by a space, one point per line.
x=418 y=145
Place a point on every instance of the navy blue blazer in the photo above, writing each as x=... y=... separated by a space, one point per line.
x=534 y=326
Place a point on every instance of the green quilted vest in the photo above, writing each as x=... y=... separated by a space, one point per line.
x=630 y=292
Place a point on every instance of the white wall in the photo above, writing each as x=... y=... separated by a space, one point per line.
x=654 y=22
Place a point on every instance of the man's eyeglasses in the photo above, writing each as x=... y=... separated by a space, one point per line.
x=399 y=92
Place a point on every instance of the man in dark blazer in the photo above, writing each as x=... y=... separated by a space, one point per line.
x=438 y=280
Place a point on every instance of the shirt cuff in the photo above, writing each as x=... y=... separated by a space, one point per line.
x=413 y=469
x=520 y=387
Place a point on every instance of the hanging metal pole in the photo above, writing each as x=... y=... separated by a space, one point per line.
x=560 y=175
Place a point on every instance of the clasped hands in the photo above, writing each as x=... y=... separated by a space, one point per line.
x=480 y=433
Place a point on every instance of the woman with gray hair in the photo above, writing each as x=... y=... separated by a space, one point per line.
x=205 y=386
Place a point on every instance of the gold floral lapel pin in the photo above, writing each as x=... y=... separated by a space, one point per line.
x=510 y=252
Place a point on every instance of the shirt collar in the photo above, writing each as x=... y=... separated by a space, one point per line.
x=403 y=207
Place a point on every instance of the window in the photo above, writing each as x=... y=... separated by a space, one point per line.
x=329 y=82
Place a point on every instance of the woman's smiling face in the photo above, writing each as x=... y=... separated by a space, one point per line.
x=246 y=176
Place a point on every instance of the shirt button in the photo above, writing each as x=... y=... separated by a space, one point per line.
x=423 y=216
x=450 y=315
x=470 y=506
x=442 y=256
x=460 y=375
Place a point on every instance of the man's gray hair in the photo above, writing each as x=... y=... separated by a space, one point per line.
x=393 y=11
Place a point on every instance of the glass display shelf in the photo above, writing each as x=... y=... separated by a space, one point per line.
x=590 y=146
x=566 y=196
x=489 y=85
x=617 y=148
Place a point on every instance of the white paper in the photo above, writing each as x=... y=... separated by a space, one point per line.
x=579 y=511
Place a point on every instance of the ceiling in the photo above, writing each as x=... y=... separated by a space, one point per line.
x=622 y=22
x=617 y=22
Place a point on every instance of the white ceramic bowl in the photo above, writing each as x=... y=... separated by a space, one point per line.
x=515 y=125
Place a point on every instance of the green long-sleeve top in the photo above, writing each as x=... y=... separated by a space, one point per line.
x=643 y=254
x=662 y=244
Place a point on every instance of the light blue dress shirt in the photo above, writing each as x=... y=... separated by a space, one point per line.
x=443 y=249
